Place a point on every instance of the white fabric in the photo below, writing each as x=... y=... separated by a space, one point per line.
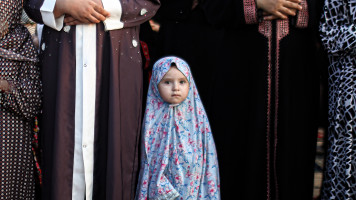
x=83 y=164
x=89 y=91
x=48 y=16
x=84 y=118
x=78 y=189
x=111 y=23
x=114 y=21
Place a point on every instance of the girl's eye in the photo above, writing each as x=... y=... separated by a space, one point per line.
x=166 y=82
x=182 y=82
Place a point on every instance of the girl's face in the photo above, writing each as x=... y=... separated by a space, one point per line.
x=174 y=86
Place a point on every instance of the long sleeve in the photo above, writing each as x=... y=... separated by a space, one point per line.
x=33 y=9
x=114 y=8
x=41 y=11
x=24 y=96
x=338 y=26
x=123 y=12
x=19 y=68
x=138 y=12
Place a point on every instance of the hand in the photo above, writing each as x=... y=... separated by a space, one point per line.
x=81 y=11
x=269 y=17
x=279 y=8
x=69 y=20
x=4 y=85
x=154 y=25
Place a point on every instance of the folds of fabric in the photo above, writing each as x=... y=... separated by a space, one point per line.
x=178 y=151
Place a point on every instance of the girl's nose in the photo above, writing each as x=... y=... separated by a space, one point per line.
x=175 y=86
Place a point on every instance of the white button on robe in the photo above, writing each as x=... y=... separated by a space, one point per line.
x=134 y=43
x=143 y=11
x=83 y=164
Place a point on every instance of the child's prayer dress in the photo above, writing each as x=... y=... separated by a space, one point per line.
x=179 y=158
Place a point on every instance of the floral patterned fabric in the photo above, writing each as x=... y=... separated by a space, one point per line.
x=179 y=159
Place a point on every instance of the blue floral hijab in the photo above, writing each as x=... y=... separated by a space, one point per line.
x=179 y=159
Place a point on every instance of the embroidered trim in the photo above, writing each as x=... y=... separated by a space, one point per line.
x=265 y=28
x=303 y=16
x=250 y=11
x=282 y=31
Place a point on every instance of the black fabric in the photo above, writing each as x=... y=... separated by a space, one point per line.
x=185 y=32
x=258 y=141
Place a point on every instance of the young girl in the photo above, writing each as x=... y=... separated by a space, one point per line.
x=178 y=152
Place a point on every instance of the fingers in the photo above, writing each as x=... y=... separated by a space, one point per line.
x=68 y=19
x=296 y=1
x=99 y=9
x=91 y=13
x=288 y=11
x=97 y=13
x=270 y=17
x=286 y=8
x=280 y=15
x=99 y=2
x=75 y=22
x=100 y=14
x=89 y=19
x=279 y=9
x=292 y=5
x=85 y=12
x=92 y=19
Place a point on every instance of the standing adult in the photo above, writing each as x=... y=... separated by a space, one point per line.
x=92 y=77
x=265 y=98
x=20 y=100
x=185 y=32
x=338 y=33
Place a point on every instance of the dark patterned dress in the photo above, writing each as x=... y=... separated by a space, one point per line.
x=338 y=32
x=18 y=105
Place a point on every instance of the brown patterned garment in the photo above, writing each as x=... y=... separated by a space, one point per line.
x=18 y=105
